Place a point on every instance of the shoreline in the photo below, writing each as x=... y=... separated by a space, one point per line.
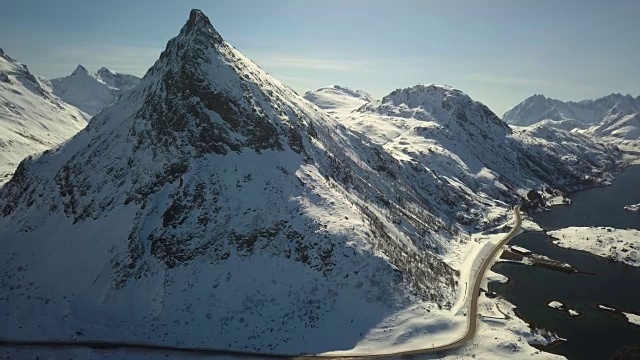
x=571 y=238
x=625 y=163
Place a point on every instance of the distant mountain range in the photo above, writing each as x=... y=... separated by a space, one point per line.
x=613 y=117
x=92 y=92
x=445 y=130
x=37 y=114
x=587 y=112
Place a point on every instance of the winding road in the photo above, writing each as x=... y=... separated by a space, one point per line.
x=472 y=316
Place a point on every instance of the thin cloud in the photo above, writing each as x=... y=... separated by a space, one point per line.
x=307 y=82
x=311 y=63
x=511 y=80
x=129 y=59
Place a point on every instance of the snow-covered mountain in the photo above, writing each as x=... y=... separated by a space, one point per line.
x=32 y=119
x=92 y=92
x=460 y=139
x=117 y=80
x=588 y=112
x=612 y=118
x=211 y=205
x=337 y=98
x=623 y=131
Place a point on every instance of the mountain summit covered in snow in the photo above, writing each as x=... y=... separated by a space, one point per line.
x=461 y=140
x=211 y=205
x=32 y=118
x=613 y=117
x=117 y=80
x=92 y=92
x=588 y=112
x=338 y=98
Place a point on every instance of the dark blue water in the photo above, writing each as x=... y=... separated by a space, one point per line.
x=596 y=334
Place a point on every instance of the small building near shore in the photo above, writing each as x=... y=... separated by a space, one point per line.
x=520 y=250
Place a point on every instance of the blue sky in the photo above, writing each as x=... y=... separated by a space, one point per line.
x=497 y=51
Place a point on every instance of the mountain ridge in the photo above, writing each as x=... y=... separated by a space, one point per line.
x=336 y=98
x=588 y=111
x=609 y=118
x=444 y=128
x=92 y=92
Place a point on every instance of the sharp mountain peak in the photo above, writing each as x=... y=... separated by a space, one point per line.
x=199 y=23
x=80 y=69
x=105 y=70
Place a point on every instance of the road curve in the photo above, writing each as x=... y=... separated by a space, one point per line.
x=472 y=316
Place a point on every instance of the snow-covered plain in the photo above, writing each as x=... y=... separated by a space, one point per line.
x=521 y=249
x=632 y=318
x=554 y=304
x=32 y=119
x=529 y=225
x=633 y=207
x=621 y=245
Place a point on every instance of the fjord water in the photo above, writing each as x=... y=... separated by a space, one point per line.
x=595 y=334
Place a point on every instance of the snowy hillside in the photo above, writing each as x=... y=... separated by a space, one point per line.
x=337 y=99
x=623 y=131
x=32 y=119
x=567 y=125
x=212 y=206
x=444 y=130
x=92 y=92
x=116 y=80
x=538 y=107
x=614 y=244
